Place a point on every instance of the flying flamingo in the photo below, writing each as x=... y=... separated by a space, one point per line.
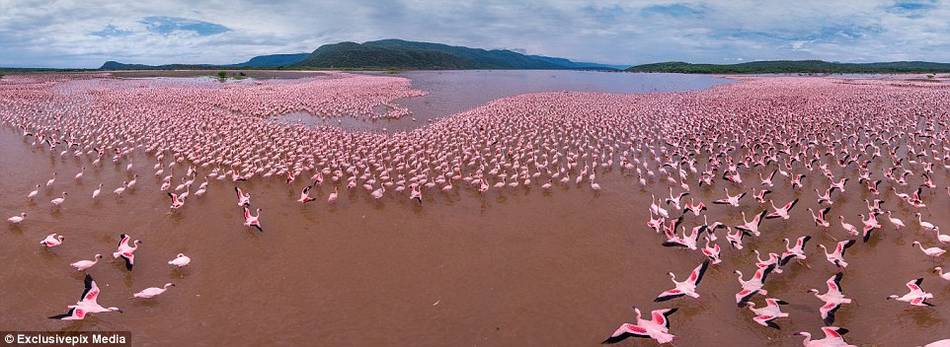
x=88 y=303
x=766 y=316
x=834 y=336
x=244 y=200
x=916 y=297
x=833 y=298
x=657 y=328
x=252 y=220
x=687 y=287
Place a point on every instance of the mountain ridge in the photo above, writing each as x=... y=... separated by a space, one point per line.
x=390 y=54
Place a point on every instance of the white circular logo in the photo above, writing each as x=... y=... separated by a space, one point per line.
x=8 y=338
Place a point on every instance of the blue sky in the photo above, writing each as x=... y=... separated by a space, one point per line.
x=72 y=33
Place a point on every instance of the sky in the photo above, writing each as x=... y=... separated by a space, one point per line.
x=84 y=34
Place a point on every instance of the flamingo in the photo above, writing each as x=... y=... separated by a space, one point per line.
x=925 y=225
x=88 y=303
x=126 y=251
x=17 y=219
x=834 y=336
x=735 y=239
x=58 y=201
x=687 y=287
x=833 y=298
x=177 y=200
x=898 y=224
x=244 y=200
x=782 y=212
x=766 y=316
x=916 y=297
x=752 y=227
x=796 y=252
x=95 y=193
x=152 y=292
x=820 y=217
x=932 y=252
x=851 y=229
x=305 y=195
x=837 y=257
x=732 y=200
x=53 y=240
x=252 y=220
x=33 y=193
x=180 y=261
x=754 y=285
x=84 y=265
x=657 y=328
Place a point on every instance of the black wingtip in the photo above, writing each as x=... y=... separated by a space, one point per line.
x=615 y=339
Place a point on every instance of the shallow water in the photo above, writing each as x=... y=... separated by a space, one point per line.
x=515 y=267
x=450 y=92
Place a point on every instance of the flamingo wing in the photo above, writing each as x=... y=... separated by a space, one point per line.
x=744 y=295
x=828 y=311
x=914 y=285
x=766 y=320
x=834 y=282
x=73 y=314
x=91 y=291
x=833 y=332
x=669 y=295
x=129 y=258
x=123 y=240
x=843 y=246
x=626 y=330
x=697 y=275
x=661 y=316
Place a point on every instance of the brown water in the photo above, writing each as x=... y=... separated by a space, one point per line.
x=517 y=267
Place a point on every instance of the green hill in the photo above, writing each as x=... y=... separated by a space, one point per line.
x=424 y=55
x=794 y=66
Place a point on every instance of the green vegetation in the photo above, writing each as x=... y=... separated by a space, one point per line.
x=795 y=66
x=224 y=76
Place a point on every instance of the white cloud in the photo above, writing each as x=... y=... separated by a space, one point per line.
x=86 y=33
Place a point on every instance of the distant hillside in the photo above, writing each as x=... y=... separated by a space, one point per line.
x=274 y=60
x=262 y=61
x=424 y=55
x=794 y=66
x=114 y=65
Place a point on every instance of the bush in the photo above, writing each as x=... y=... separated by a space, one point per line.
x=222 y=74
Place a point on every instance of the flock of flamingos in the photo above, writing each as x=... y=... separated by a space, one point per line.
x=872 y=141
